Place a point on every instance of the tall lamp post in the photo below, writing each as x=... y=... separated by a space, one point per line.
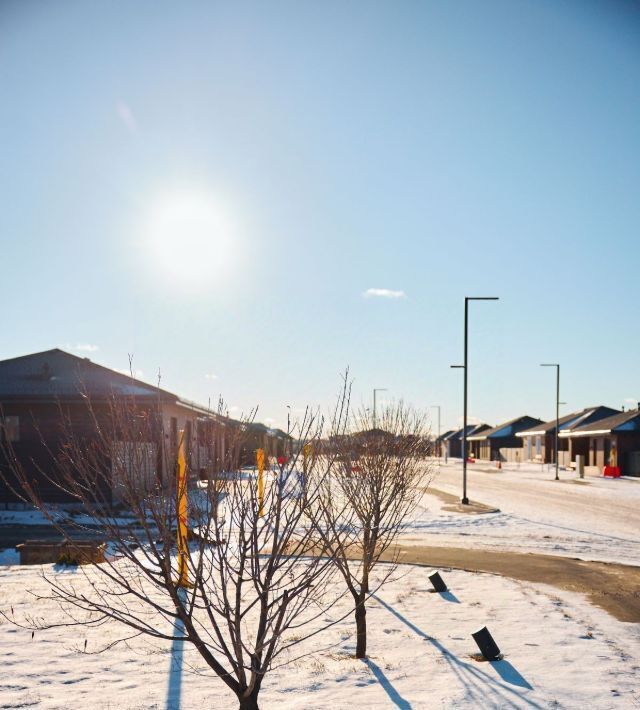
x=437 y=406
x=377 y=389
x=465 y=499
x=557 y=366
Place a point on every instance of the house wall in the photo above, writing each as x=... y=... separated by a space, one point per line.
x=44 y=429
x=534 y=448
x=627 y=452
x=508 y=448
x=454 y=448
x=579 y=446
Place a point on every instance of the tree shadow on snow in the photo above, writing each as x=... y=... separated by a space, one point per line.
x=174 y=691
x=473 y=679
x=393 y=694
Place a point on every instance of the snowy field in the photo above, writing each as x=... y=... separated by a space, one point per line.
x=594 y=519
x=560 y=652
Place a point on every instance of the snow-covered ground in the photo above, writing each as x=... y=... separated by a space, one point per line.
x=559 y=652
x=594 y=519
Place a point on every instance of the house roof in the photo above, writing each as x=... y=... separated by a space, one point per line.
x=478 y=429
x=621 y=422
x=506 y=429
x=456 y=435
x=570 y=421
x=58 y=374
x=444 y=436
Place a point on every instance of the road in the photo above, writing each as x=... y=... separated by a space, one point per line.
x=592 y=519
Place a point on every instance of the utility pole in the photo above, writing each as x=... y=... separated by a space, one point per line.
x=557 y=366
x=465 y=499
x=376 y=389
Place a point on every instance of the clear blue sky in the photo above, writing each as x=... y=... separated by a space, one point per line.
x=214 y=186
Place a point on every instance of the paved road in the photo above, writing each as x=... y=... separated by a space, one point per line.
x=597 y=506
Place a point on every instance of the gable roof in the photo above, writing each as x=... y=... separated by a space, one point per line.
x=506 y=429
x=456 y=435
x=58 y=374
x=478 y=429
x=571 y=421
x=624 y=421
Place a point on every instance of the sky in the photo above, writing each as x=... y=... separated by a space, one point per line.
x=250 y=197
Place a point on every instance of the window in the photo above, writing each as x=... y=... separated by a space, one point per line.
x=10 y=428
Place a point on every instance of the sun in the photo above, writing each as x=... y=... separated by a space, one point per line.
x=190 y=239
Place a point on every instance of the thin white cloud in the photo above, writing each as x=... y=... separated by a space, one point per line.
x=269 y=420
x=383 y=293
x=126 y=115
x=210 y=376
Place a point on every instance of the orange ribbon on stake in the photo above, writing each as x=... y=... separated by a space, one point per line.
x=181 y=508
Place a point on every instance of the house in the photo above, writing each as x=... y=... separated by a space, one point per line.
x=539 y=441
x=612 y=441
x=453 y=441
x=49 y=396
x=439 y=444
x=473 y=446
x=502 y=443
x=274 y=442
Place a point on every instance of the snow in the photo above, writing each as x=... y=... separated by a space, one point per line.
x=594 y=519
x=558 y=652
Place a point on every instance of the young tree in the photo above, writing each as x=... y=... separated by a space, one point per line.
x=243 y=592
x=380 y=479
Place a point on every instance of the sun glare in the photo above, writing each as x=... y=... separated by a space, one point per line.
x=190 y=240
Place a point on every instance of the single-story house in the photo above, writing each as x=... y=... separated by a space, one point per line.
x=274 y=442
x=473 y=446
x=613 y=441
x=453 y=440
x=539 y=441
x=439 y=444
x=502 y=443
x=46 y=397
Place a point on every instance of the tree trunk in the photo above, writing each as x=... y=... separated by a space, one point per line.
x=361 y=629
x=249 y=702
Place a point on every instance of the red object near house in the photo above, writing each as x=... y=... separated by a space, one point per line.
x=470 y=460
x=611 y=471
x=282 y=460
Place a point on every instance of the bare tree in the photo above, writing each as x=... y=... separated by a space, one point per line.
x=379 y=480
x=244 y=591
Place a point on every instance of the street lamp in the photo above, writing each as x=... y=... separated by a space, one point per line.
x=557 y=366
x=377 y=389
x=465 y=500
x=437 y=406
